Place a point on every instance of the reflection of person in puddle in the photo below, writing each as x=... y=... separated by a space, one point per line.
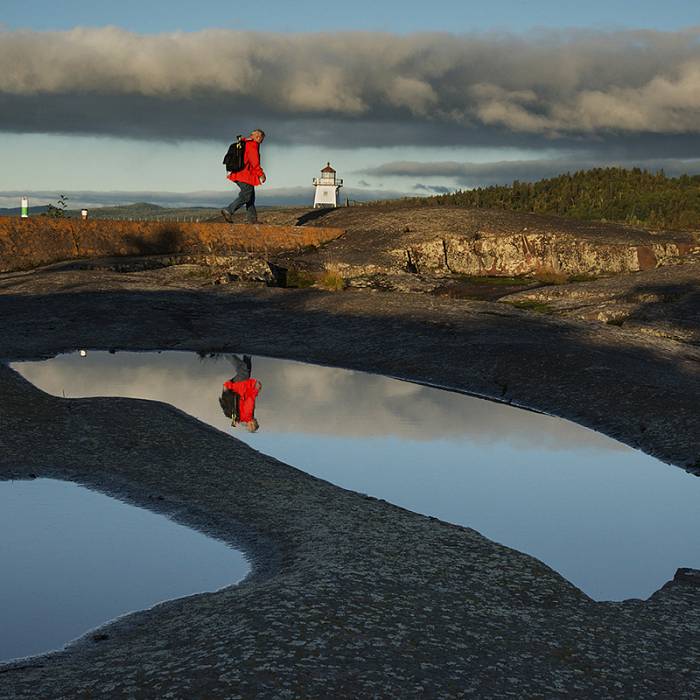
x=238 y=397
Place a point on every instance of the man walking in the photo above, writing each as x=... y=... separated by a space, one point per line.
x=237 y=399
x=247 y=179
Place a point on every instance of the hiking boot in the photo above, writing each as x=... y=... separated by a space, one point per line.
x=227 y=216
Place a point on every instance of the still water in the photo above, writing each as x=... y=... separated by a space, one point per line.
x=72 y=559
x=614 y=521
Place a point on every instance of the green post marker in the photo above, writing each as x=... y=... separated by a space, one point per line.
x=25 y=207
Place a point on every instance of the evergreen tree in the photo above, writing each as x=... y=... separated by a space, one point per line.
x=631 y=196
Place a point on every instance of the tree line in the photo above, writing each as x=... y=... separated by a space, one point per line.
x=632 y=196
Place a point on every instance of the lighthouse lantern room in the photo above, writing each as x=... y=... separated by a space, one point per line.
x=327 y=188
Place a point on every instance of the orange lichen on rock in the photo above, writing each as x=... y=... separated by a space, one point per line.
x=29 y=243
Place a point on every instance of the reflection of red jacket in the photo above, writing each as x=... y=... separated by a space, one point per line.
x=252 y=171
x=248 y=391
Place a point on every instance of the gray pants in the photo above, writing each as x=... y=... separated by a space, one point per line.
x=247 y=197
x=241 y=367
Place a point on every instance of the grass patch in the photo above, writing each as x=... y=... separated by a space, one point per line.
x=582 y=278
x=542 y=277
x=331 y=281
x=300 y=279
x=495 y=281
x=531 y=305
x=549 y=277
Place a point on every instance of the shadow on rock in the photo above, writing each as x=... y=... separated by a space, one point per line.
x=168 y=239
x=313 y=215
x=667 y=309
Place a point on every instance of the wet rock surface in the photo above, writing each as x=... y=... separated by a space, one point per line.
x=349 y=596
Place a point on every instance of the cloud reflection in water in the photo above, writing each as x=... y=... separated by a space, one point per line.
x=613 y=520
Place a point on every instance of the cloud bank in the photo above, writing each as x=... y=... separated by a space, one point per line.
x=333 y=87
x=504 y=172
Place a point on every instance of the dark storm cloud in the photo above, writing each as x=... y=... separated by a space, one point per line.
x=348 y=88
x=502 y=172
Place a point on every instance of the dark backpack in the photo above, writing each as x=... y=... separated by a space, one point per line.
x=230 y=405
x=234 y=160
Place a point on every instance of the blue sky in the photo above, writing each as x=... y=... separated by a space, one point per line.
x=367 y=15
x=507 y=87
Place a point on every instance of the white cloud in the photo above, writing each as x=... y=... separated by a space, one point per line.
x=302 y=398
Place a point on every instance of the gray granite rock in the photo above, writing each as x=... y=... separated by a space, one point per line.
x=444 y=241
x=349 y=596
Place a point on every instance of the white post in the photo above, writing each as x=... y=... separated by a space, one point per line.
x=25 y=207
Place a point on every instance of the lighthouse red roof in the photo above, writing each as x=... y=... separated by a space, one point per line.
x=328 y=169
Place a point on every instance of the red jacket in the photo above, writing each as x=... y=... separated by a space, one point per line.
x=248 y=391
x=252 y=171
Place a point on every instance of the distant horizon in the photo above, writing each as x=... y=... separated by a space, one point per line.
x=303 y=195
x=290 y=196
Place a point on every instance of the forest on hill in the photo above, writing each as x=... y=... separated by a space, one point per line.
x=631 y=196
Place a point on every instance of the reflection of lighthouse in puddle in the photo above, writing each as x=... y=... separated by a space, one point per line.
x=327 y=188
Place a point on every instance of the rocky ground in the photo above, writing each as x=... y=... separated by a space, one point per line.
x=349 y=596
x=648 y=281
x=439 y=242
x=663 y=302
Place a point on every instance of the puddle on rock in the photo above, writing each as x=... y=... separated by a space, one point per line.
x=73 y=559
x=614 y=521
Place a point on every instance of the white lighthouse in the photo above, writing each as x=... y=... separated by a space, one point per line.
x=327 y=188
